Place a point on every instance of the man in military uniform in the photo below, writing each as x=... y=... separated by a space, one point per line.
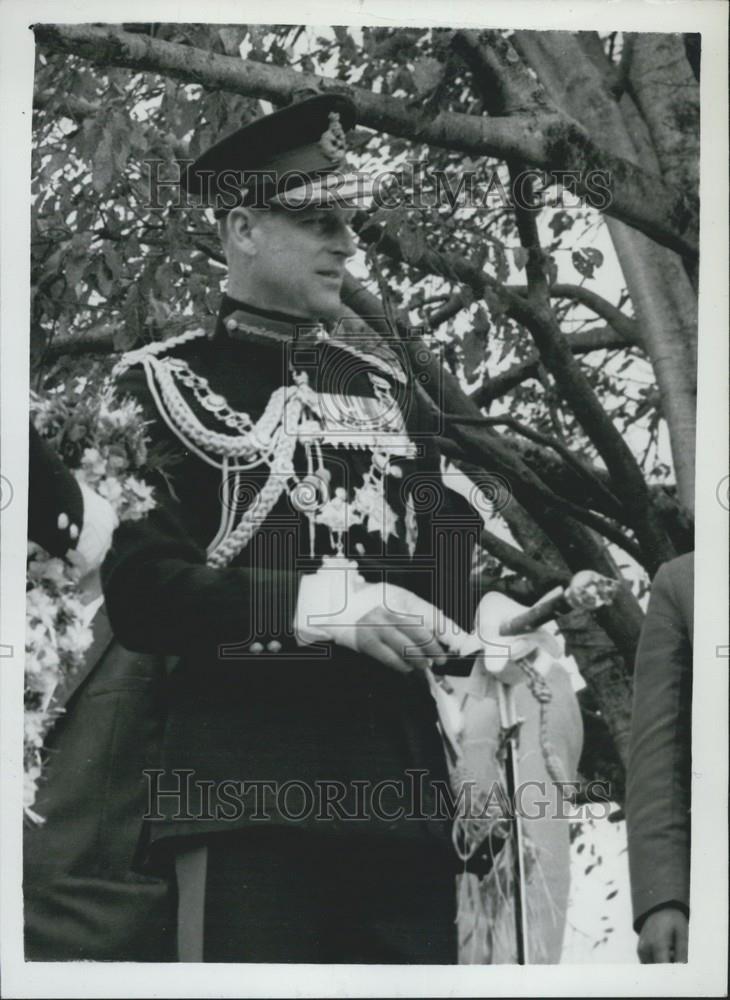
x=294 y=568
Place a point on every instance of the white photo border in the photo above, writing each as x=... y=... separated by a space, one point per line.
x=706 y=972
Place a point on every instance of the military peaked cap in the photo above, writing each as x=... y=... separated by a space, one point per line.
x=293 y=158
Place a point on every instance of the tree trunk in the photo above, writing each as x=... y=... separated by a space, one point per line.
x=662 y=295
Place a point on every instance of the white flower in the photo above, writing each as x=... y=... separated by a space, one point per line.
x=48 y=658
x=75 y=638
x=111 y=489
x=40 y=607
x=57 y=636
x=56 y=572
x=93 y=464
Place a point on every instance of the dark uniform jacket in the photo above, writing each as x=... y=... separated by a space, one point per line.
x=659 y=773
x=245 y=702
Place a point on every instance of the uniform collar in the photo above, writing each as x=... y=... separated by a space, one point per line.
x=237 y=320
x=240 y=321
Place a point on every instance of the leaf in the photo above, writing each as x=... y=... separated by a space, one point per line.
x=586 y=261
x=103 y=164
x=104 y=278
x=520 y=257
x=112 y=261
x=426 y=75
x=128 y=333
x=412 y=244
x=159 y=310
x=164 y=276
x=495 y=304
x=124 y=337
x=122 y=148
x=473 y=348
x=230 y=39
x=482 y=323
x=74 y=271
x=560 y=222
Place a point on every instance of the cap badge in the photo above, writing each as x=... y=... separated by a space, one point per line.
x=333 y=143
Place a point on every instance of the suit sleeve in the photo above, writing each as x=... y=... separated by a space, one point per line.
x=658 y=779
x=161 y=596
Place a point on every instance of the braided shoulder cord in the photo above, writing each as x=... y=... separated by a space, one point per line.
x=253 y=518
x=265 y=443
x=271 y=441
x=152 y=350
x=246 y=446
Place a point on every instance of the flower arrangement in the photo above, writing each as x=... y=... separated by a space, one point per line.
x=104 y=442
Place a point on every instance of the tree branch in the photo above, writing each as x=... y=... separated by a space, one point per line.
x=542 y=576
x=546 y=139
x=624 y=326
x=553 y=443
x=599 y=339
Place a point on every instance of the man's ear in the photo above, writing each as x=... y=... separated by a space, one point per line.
x=241 y=223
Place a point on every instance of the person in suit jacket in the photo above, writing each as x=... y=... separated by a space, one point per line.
x=83 y=895
x=291 y=570
x=659 y=773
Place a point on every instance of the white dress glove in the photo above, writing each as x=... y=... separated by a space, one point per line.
x=98 y=527
x=333 y=601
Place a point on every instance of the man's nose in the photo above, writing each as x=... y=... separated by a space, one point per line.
x=344 y=242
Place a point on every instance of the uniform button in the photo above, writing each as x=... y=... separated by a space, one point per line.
x=256 y=647
x=63 y=521
x=274 y=646
x=231 y=323
x=73 y=532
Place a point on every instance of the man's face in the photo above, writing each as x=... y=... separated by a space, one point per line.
x=299 y=260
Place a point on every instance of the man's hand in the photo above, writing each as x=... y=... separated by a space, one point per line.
x=381 y=620
x=663 y=936
x=384 y=634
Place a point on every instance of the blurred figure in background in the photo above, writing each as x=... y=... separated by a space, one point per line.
x=83 y=897
x=659 y=774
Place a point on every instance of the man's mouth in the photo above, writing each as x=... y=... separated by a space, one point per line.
x=331 y=274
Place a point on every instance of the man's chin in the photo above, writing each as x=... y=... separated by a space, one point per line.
x=329 y=307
